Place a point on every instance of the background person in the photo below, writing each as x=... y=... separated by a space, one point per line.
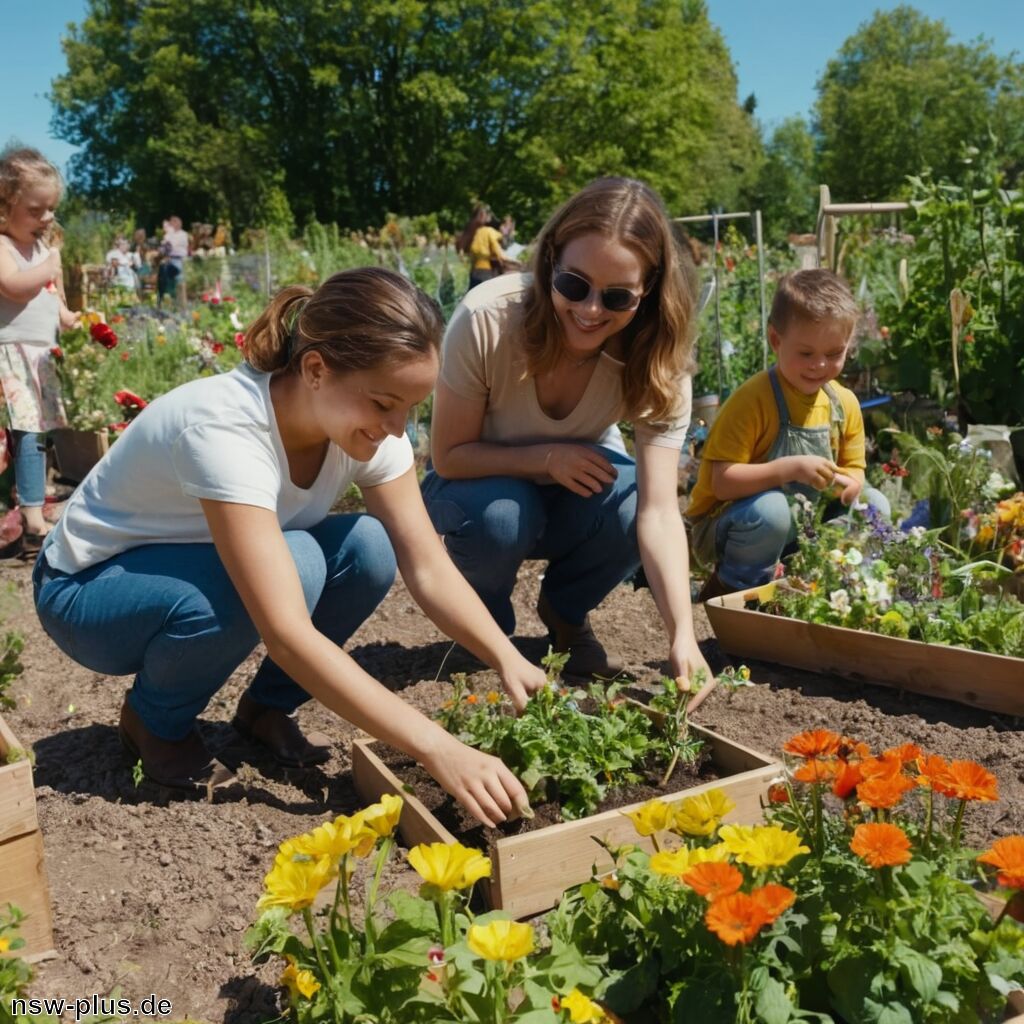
x=174 y=250
x=481 y=241
x=789 y=429
x=206 y=528
x=32 y=312
x=537 y=371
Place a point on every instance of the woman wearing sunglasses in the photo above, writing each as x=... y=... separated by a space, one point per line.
x=538 y=369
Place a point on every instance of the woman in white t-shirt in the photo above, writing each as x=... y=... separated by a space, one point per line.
x=206 y=528
x=537 y=371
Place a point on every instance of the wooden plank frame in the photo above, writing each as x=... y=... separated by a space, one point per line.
x=990 y=681
x=23 y=879
x=530 y=872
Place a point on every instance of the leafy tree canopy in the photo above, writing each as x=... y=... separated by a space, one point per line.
x=343 y=110
x=900 y=97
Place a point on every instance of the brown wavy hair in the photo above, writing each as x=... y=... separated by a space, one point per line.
x=357 y=320
x=659 y=339
x=20 y=169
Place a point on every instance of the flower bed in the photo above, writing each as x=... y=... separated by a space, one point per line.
x=865 y=600
x=853 y=903
x=531 y=871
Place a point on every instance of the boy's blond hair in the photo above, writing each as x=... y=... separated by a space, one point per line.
x=814 y=295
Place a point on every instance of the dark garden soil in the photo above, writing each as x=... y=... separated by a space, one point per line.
x=153 y=895
x=470 y=832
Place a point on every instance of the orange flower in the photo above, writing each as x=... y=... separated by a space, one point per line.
x=1008 y=856
x=969 y=781
x=774 y=899
x=934 y=774
x=904 y=754
x=847 y=779
x=884 y=767
x=778 y=794
x=472 y=698
x=736 y=918
x=713 y=880
x=885 y=792
x=813 y=743
x=816 y=771
x=881 y=845
x=850 y=748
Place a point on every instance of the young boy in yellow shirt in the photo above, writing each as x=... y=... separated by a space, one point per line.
x=787 y=430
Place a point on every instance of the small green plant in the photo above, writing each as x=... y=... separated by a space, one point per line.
x=137 y=773
x=15 y=974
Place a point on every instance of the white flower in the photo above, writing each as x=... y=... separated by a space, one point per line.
x=996 y=486
x=878 y=592
x=839 y=602
x=837 y=556
x=854 y=557
x=236 y=320
x=917 y=534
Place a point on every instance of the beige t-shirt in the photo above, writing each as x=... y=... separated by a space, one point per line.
x=482 y=358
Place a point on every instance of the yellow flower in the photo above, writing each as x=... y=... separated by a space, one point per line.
x=581 y=1009
x=5 y=944
x=671 y=862
x=700 y=815
x=298 y=982
x=332 y=839
x=501 y=940
x=652 y=817
x=295 y=883
x=762 y=846
x=493 y=697
x=677 y=862
x=381 y=817
x=449 y=865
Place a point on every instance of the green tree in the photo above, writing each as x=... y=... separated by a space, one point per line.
x=787 y=186
x=354 y=108
x=900 y=98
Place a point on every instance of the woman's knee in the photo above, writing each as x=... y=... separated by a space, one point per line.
x=495 y=518
x=371 y=556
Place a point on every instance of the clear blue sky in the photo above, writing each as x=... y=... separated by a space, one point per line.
x=780 y=48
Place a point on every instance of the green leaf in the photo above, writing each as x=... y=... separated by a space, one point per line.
x=773 y=1006
x=920 y=972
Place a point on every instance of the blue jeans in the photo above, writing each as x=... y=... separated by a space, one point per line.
x=492 y=524
x=751 y=534
x=169 y=614
x=30 y=468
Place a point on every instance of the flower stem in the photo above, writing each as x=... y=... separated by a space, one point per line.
x=958 y=824
x=307 y=916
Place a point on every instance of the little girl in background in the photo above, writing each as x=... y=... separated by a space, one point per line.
x=32 y=312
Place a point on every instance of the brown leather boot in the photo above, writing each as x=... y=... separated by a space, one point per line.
x=713 y=587
x=178 y=764
x=280 y=734
x=586 y=655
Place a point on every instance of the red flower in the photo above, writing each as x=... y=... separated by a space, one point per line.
x=57 y=352
x=103 y=334
x=128 y=400
x=217 y=347
x=118 y=426
x=239 y=339
x=125 y=357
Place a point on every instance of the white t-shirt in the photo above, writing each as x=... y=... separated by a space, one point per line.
x=214 y=438
x=123 y=264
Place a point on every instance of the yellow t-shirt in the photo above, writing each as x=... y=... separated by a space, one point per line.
x=486 y=246
x=748 y=424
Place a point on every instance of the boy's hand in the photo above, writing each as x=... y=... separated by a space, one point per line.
x=847 y=487
x=813 y=470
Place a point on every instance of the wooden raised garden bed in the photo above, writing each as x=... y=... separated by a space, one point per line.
x=22 y=871
x=991 y=681
x=530 y=872
x=77 y=451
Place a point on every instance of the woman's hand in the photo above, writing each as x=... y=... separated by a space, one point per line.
x=579 y=469
x=685 y=662
x=481 y=783
x=521 y=681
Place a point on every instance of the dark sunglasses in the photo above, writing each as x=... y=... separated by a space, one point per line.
x=576 y=289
